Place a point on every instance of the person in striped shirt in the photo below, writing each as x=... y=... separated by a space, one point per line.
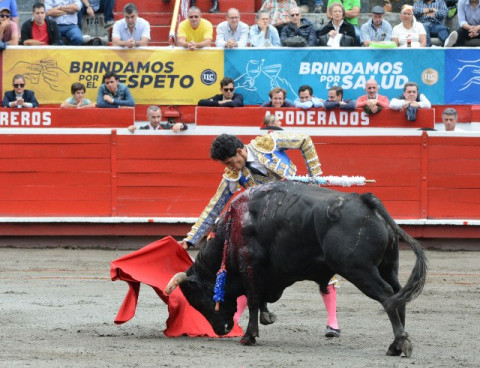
x=377 y=28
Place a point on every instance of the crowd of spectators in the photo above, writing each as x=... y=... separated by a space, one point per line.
x=276 y=24
x=58 y=22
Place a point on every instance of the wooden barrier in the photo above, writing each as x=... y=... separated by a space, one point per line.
x=321 y=118
x=418 y=176
x=55 y=117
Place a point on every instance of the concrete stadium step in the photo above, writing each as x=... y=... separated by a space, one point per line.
x=244 y=6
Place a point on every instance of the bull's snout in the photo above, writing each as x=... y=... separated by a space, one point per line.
x=224 y=329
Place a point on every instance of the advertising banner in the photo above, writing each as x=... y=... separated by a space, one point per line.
x=462 y=76
x=162 y=76
x=257 y=71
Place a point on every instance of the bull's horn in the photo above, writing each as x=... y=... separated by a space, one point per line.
x=176 y=280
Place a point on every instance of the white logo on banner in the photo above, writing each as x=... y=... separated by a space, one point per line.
x=469 y=71
x=355 y=75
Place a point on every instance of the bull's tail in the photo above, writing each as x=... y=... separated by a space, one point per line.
x=416 y=281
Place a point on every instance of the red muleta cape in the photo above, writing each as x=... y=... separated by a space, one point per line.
x=154 y=265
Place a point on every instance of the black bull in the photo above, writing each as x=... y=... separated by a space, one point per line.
x=280 y=233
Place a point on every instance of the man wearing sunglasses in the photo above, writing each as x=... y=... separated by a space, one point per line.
x=227 y=98
x=194 y=33
x=299 y=26
x=8 y=29
x=19 y=97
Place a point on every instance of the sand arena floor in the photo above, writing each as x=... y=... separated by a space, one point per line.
x=57 y=308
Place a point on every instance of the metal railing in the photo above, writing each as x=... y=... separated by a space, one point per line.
x=172 y=39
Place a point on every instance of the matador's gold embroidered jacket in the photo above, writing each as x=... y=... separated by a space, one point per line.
x=269 y=150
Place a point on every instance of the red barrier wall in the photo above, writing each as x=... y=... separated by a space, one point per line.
x=55 y=117
x=417 y=176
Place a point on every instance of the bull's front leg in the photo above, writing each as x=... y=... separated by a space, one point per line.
x=252 y=328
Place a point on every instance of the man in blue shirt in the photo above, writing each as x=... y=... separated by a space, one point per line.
x=468 y=20
x=232 y=32
x=131 y=31
x=64 y=13
x=113 y=94
x=377 y=28
x=306 y=99
x=432 y=14
x=263 y=34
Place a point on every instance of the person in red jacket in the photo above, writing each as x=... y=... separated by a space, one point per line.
x=372 y=102
x=39 y=31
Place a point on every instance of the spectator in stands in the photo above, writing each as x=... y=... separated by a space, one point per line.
x=376 y=29
x=306 y=9
x=19 y=97
x=232 y=32
x=227 y=97
x=278 y=10
x=409 y=33
x=12 y=6
x=410 y=97
x=336 y=101
x=271 y=122
x=113 y=94
x=278 y=99
x=154 y=115
x=410 y=101
x=39 y=31
x=468 y=21
x=91 y=7
x=195 y=32
x=337 y=32
x=64 y=13
x=298 y=26
x=352 y=11
x=449 y=119
x=306 y=100
x=372 y=102
x=131 y=31
x=432 y=14
x=8 y=29
x=263 y=34
x=78 y=99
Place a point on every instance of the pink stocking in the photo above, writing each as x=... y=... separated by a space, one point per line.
x=241 y=305
x=330 y=301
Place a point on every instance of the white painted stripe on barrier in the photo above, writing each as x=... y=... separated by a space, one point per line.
x=56 y=131
x=235 y=130
x=100 y=220
x=191 y=220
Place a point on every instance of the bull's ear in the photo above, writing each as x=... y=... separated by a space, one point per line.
x=175 y=281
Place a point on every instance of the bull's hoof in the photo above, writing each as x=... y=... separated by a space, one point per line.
x=248 y=340
x=401 y=345
x=267 y=318
x=407 y=348
x=393 y=351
